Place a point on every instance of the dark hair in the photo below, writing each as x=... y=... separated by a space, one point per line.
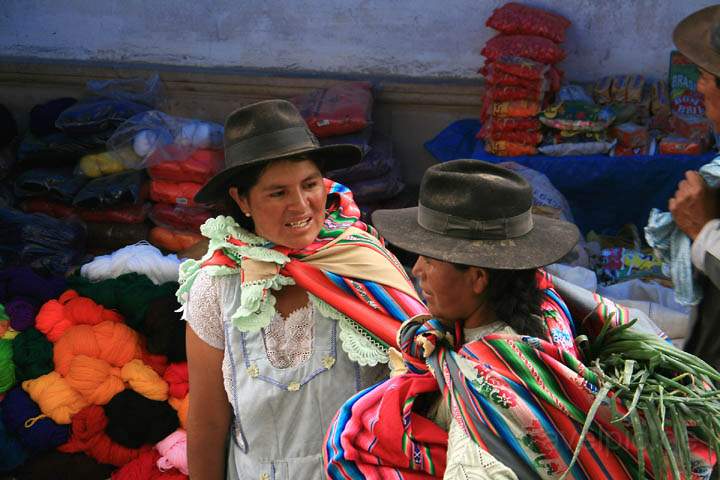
x=244 y=181
x=515 y=298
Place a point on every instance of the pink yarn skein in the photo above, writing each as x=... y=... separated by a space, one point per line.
x=174 y=452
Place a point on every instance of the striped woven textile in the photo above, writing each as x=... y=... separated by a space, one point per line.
x=348 y=267
x=531 y=393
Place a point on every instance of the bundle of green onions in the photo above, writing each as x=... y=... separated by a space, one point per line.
x=663 y=388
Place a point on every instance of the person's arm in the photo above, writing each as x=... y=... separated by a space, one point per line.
x=706 y=251
x=695 y=210
x=208 y=420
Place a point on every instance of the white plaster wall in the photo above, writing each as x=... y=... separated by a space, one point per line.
x=419 y=38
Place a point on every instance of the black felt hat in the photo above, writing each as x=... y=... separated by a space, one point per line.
x=476 y=213
x=270 y=130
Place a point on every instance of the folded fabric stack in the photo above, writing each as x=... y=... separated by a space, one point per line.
x=342 y=114
x=174 y=183
x=521 y=76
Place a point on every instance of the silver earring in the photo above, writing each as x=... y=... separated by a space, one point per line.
x=247 y=214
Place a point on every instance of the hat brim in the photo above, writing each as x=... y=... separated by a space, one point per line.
x=332 y=157
x=546 y=243
x=692 y=39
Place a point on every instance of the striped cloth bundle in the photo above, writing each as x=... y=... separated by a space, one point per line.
x=531 y=394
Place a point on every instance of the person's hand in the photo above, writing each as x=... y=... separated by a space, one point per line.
x=693 y=205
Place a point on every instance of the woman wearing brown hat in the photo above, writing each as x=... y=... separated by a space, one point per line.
x=279 y=307
x=695 y=207
x=495 y=365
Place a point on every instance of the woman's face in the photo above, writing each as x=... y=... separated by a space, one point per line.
x=287 y=204
x=708 y=87
x=451 y=294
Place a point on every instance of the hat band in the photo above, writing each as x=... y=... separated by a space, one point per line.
x=277 y=143
x=495 y=229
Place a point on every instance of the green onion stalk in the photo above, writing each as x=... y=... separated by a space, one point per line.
x=664 y=390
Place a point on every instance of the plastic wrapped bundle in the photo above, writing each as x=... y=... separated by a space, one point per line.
x=41 y=242
x=57 y=183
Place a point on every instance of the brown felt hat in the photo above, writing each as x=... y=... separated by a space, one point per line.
x=698 y=38
x=476 y=213
x=265 y=131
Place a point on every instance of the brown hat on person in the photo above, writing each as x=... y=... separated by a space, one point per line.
x=270 y=130
x=698 y=38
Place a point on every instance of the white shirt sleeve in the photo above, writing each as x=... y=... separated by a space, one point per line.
x=203 y=312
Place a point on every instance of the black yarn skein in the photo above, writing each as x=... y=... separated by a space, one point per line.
x=134 y=421
x=164 y=329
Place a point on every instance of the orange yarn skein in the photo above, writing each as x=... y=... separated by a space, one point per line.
x=55 y=397
x=57 y=316
x=181 y=407
x=145 y=381
x=116 y=343
x=96 y=380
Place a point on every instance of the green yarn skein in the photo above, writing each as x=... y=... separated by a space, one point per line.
x=7 y=367
x=3 y=315
x=32 y=355
x=130 y=294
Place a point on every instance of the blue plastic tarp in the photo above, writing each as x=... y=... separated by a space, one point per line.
x=604 y=192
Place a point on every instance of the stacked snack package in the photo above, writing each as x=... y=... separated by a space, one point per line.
x=174 y=183
x=687 y=130
x=630 y=97
x=655 y=115
x=342 y=114
x=521 y=75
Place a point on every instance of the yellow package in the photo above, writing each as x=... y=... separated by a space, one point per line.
x=100 y=164
x=635 y=84
x=619 y=88
x=601 y=90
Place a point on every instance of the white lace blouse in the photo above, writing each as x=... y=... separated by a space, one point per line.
x=288 y=341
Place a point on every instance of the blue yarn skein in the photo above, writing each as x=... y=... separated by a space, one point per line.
x=13 y=455
x=20 y=416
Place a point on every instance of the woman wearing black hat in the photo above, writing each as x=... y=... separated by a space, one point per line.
x=496 y=365
x=279 y=307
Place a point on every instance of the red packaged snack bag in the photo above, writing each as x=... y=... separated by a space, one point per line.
x=515 y=108
x=526 y=138
x=179 y=217
x=485 y=109
x=494 y=76
x=199 y=167
x=180 y=193
x=511 y=124
x=173 y=240
x=509 y=149
x=520 y=67
x=527 y=46
x=674 y=145
x=507 y=93
x=340 y=109
x=630 y=135
x=514 y=18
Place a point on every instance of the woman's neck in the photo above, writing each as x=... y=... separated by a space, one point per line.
x=482 y=315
